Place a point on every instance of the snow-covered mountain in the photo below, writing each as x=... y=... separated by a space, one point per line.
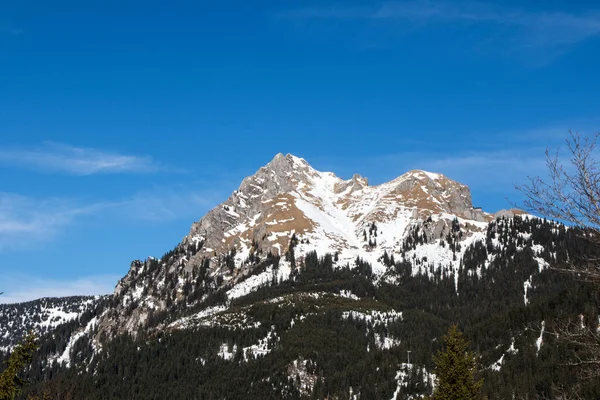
x=287 y=202
x=288 y=196
x=296 y=258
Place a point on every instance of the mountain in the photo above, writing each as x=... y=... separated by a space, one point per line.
x=288 y=198
x=305 y=285
x=40 y=316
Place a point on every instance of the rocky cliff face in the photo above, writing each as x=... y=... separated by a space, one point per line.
x=299 y=267
x=289 y=196
x=288 y=199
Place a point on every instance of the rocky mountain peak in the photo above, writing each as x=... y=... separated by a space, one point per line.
x=287 y=196
x=435 y=193
x=287 y=163
x=287 y=201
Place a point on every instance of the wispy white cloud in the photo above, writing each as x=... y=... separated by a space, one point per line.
x=537 y=29
x=21 y=288
x=489 y=170
x=25 y=218
x=496 y=171
x=498 y=164
x=26 y=221
x=56 y=157
x=517 y=27
x=489 y=164
x=163 y=204
x=491 y=175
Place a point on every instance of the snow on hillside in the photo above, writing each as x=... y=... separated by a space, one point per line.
x=403 y=374
x=287 y=199
x=39 y=316
x=65 y=357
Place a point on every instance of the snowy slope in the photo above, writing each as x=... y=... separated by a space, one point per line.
x=40 y=316
x=412 y=218
x=349 y=217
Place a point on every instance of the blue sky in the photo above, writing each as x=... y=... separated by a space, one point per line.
x=123 y=122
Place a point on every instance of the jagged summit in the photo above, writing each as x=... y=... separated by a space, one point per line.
x=290 y=165
x=385 y=264
x=422 y=174
x=425 y=219
x=281 y=159
x=288 y=196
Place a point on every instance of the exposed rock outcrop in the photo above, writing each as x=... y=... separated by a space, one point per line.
x=288 y=198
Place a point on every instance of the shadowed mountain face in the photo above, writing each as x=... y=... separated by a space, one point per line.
x=305 y=285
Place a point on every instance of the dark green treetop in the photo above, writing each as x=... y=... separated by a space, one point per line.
x=455 y=369
x=10 y=382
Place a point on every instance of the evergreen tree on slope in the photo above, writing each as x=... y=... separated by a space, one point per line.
x=10 y=382
x=455 y=370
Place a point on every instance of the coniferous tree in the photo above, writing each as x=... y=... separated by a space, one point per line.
x=10 y=382
x=455 y=370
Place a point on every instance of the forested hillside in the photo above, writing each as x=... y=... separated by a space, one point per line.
x=331 y=331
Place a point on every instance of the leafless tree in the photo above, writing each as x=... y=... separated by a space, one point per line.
x=571 y=194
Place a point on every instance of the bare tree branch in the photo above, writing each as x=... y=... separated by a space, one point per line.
x=571 y=194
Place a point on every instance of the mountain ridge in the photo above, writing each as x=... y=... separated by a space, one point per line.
x=289 y=203
x=301 y=283
x=288 y=198
x=41 y=316
x=290 y=190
